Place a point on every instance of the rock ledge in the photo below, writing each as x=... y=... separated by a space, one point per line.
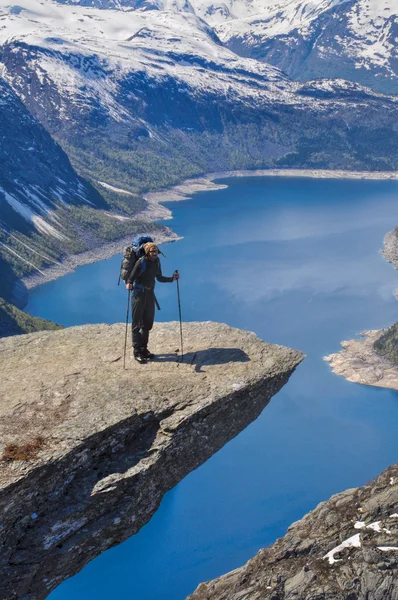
x=89 y=449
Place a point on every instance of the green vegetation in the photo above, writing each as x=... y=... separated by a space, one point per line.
x=151 y=166
x=14 y=321
x=387 y=344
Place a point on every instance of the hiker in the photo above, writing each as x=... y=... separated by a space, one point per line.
x=142 y=282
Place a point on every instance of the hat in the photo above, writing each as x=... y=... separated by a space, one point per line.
x=150 y=246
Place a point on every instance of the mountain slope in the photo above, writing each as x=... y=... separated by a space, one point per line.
x=37 y=184
x=36 y=174
x=150 y=97
x=354 y=40
x=14 y=321
x=350 y=39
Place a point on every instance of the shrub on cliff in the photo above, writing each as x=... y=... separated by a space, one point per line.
x=14 y=321
x=387 y=344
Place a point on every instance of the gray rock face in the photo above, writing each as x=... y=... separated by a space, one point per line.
x=89 y=448
x=345 y=549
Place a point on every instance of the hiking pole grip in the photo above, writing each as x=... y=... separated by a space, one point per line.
x=179 y=313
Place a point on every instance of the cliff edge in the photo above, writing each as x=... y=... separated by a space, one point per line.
x=88 y=448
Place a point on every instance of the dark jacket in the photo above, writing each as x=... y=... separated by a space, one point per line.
x=144 y=274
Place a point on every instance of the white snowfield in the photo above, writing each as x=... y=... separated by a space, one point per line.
x=369 y=22
x=368 y=36
x=366 y=30
x=179 y=40
x=85 y=53
x=132 y=40
x=82 y=48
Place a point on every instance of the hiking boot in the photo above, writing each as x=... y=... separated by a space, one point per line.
x=146 y=354
x=139 y=357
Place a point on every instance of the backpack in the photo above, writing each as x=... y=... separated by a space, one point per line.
x=131 y=254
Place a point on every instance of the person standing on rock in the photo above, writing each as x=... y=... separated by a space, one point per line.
x=142 y=282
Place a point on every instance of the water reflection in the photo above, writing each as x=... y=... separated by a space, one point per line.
x=297 y=262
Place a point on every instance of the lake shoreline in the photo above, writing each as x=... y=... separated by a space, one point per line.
x=155 y=211
x=206 y=183
x=390 y=249
x=358 y=361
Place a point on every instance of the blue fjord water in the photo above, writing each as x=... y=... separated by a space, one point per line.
x=297 y=261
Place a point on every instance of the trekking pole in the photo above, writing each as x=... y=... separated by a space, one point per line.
x=127 y=326
x=179 y=312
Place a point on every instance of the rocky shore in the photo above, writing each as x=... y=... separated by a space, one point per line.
x=88 y=448
x=345 y=549
x=69 y=264
x=358 y=362
x=390 y=249
x=207 y=183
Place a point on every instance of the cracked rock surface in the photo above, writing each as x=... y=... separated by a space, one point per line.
x=88 y=448
x=345 y=549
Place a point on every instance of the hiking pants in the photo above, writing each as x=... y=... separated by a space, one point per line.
x=143 y=306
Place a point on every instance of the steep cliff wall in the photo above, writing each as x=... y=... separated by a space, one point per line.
x=345 y=549
x=89 y=448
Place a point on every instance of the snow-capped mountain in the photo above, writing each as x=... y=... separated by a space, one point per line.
x=143 y=97
x=160 y=82
x=156 y=76
x=351 y=39
x=354 y=39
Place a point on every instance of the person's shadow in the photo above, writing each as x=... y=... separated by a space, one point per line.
x=210 y=356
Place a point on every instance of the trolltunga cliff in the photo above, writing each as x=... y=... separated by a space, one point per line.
x=89 y=448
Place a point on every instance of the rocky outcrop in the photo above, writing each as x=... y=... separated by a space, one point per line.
x=368 y=360
x=89 y=448
x=390 y=249
x=360 y=363
x=345 y=549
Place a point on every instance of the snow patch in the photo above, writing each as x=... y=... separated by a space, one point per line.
x=352 y=542
x=47 y=229
x=114 y=189
x=376 y=526
x=20 y=208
